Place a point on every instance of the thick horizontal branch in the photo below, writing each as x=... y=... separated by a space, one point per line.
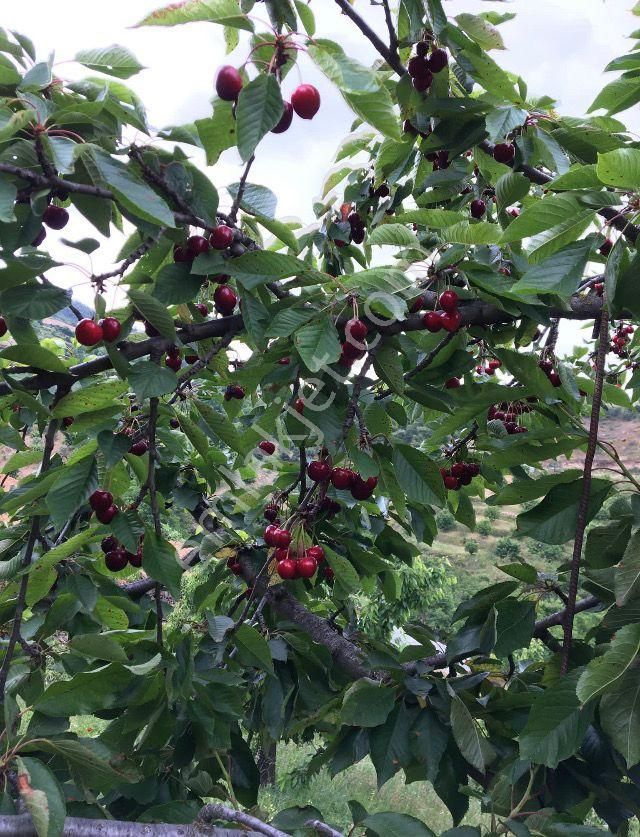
x=22 y=826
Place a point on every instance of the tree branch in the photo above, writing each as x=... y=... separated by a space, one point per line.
x=34 y=532
x=233 y=213
x=216 y=811
x=392 y=60
x=583 y=508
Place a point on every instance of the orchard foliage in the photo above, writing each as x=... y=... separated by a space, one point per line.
x=464 y=222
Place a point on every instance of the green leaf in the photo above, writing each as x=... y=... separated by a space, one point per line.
x=602 y=673
x=42 y=796
x=218 y=132
x=347 y=578
x=153 y=311
x=389 y=744
x=281 y=231
x=259 y=110
x=72 y=489
x=606 y=543
x=488 y=74
x=257 y=200
x=318 y=344
x=618 y=95
x=99 y=647
x=394 y=234
x=559 y=274
x=255 y=268
x=306 y=16
x=34 y=355
x=620 y=716
x=511 y=188
x=522 y=490
x=541 y=216
x=515 y=624
x=557 y=723
x=115 y=61
x=8 y=194
x=33 y=301
x=433 y=218
x=467 y=734
x=418 y=476
x=219 y=424
x=388 y=365
x=160 y=561
x=85 y=693
x=478 y=233
x=133 y=194
x=149 y=380
x=90 y=399
x=554 y=520
x=366 y=704
x=98 y=763
x=346 y=73
x=377 y=109
x=127 y=527
x=620 y=167
x=390 y=824
x=627 y=578
x=253 y=648
x=224 y=12
x=484 y=34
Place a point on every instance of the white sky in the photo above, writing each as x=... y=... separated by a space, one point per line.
x=560 y=47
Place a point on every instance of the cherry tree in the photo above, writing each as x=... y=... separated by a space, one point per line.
x=244 y=346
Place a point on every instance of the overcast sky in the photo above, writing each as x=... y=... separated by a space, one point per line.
x=560 y=47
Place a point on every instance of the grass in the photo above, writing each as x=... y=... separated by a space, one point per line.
x=331 y=795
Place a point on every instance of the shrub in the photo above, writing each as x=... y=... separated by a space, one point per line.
x=508 y=548
x=471 y=546
x=445 y=520
x=492 y=513
x=484 y=528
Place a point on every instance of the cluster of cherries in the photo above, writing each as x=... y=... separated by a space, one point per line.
x=490 y=368
x=234 y=391
x=90 y=333
x=357 y=227
x=423 y=65
x=354 y=346
x=102 y=504
x=221 y=238
x=448 y=317
x=346 y=479
x=116 y=557
x=552 y=374
x=305 y=99
x=459 y=474
x=620 y=339
x=508 y=415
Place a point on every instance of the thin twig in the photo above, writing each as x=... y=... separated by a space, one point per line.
x=393 y=37
x=427 y=360
x=233 y=213
x=583 y=508
x=392 y=60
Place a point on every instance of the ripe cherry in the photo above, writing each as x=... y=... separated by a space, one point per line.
x=283 y=538
x=221 y=238
x=116 y=560
x=285 y=120
x=418 y=67
x=606 y=247
x=197 y=245
x=225 y=300
x=234 y=391
x=267 y=447
x=88 y=333
x=478 y=208
x=202 y=309
x=432 y=321
x=451 y=483
x=110 y=329
x=287 y=569
x=356 y=330
x=173 y=362
x=299 y=405
x=341 y=478
x=55 y=217
x=422 y=83
x=108 y=544
x=504 y=152
x=317 y=553
x=181 y=254
x=319 y=470
x=107 y=515
x=438 y=60
x=135 y=558
x=448 y=301
x=100 y=500
x=284 y=361
x=228 y=83
x=458 y=470
x=362 y=489
x=234 y=565
x=453 y=383
x=139 y=448
x=554 y=377
x=451 y=321
x=67 y=421
x=307 y=566
x=174 y=423
x=329 y=574
x=306 y=101
x=271 y=514
x=3 y=327
x=417 y=304
x=270 y=534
